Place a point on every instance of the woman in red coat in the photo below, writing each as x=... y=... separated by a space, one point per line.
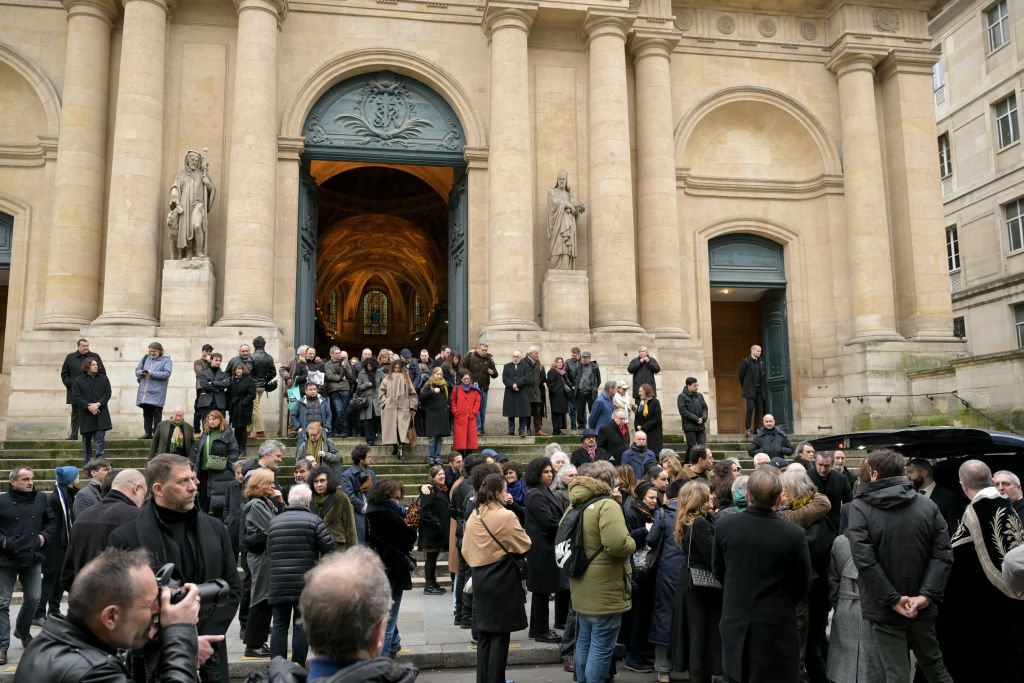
x=465 y=406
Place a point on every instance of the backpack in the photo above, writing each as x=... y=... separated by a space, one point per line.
x=569 y=554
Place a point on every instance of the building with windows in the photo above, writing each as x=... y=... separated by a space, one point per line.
x=752 y=171
x=977 y=83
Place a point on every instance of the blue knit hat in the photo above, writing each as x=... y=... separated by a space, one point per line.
x=66 y=475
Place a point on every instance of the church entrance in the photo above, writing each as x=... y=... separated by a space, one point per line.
x=748 y=306
x=382 y=220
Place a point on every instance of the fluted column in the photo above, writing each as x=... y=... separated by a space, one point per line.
x=136 y=190
x=76 y=236
x=659 y=264
x=915 y=197
x=252 y=184
x=867 y=222
x=510 y=170
x=612 y=250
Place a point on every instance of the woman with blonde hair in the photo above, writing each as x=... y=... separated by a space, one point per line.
x=696 y=639
x=672 y=466
x=435 y=399
x=262 y=502
x=397 y=407
x=627 y=483
x=213 y=459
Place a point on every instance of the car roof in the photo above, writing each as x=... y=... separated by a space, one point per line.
x=927 y=442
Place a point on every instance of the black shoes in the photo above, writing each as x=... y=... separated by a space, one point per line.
x=261 y=652
x=25 y=639
x=433 y=589
x=549 y=637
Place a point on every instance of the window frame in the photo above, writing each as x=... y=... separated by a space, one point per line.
x=952 y=249
x=1000 y=27
x=1014 y=225
x=1011 y=115
x=945 y=157
x=939 y=74
x=959 y=327
x=365 y=323
x=1018 y=320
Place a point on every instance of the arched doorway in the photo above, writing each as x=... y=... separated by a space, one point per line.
x=382 y=216
x=748 y=306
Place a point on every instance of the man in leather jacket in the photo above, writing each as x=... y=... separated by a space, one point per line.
x=263 y=373
x=111 y=607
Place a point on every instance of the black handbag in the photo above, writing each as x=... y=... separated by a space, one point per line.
x=646 y=559
x=359 y=402
x=700 y=578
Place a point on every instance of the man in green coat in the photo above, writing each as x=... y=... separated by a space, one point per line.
x=602 y=593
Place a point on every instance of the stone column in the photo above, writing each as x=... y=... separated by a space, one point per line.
x=134 y=213
x=872 y=303
x=510 y=170
x=252 y=185
x=659 y=265
x=612 y=250
x=915 y=197
x=76 y=237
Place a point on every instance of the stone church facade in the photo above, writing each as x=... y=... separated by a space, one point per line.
x=752 y=172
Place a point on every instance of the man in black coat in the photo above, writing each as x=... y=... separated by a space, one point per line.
x=614 y=436
x=175 y=530
x=643 y=368
x=754 y=385
x=765 y=570
x=694 y=411
x=901 y=549
x=213 y=390
x=92 y=528
x=480 y=366
x=26 y=526
x=112 y=605
x=771 y=440
x=588 y=450
x=296 y=540
x=263 y=373
x=832 y=484
x=72 y=369
x=516 y=404
x=921 y=473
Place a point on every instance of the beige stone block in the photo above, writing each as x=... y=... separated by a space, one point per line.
x=565 y=300
x=187 y=293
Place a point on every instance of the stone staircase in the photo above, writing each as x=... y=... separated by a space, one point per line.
x=45 y=455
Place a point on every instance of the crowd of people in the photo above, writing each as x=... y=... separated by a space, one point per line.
x=686 y=562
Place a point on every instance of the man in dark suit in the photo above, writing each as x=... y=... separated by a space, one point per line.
x=614 y=437
x=516 y=404
x=752 y=381
x=831 y=484
x=765 y=570
x=951 y=504
x=69 y=372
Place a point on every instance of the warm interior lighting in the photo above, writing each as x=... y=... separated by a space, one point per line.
x=725 y=291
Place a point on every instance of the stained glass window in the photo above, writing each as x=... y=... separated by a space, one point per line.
x=332 y=312
x=375 y=313
x=418 y=318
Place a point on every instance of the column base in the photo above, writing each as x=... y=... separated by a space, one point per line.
x=187 y=293
x=617 y=326
x=874 y=337
x=125 y=318
x=246 y=321
x=512 y=325
x=57 y=322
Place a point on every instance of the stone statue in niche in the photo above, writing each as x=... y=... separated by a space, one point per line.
x=563 y=212
x=190 y=203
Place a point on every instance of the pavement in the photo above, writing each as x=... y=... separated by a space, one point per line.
x=428 y=636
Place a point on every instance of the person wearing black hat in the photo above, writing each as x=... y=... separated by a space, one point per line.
x=588 y=384
x=588 y=450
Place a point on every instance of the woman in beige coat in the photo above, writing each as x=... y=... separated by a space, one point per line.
x=397 y=407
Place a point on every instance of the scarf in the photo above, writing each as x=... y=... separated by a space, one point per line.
x=314 y=447
x=395 y=506
x=590 y=451
x=992 y=526
x=560 y=372
x=441 y=384
x=440 y=487
x=177 y=437
x=798 y=503
x=517 y=491
x=644 y=404
x=466 y=388
x=319 y=502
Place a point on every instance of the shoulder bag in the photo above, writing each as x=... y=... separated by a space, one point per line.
x=646 y=559
x=700 y=578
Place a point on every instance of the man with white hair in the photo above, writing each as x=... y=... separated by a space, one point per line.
x=516 y=404
x=538 y=380
x=761 y=459
x=173 y=435
x=988 y=529
x=643 y=368
x=296 y=540
x=1008 y=484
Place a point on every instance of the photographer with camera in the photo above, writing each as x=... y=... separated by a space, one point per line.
x=176 y=531
x=115 y=604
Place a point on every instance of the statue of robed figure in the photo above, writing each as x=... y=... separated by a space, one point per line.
x=563 y=212
x=190 y=203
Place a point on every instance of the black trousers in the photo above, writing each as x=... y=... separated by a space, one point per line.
x=755 y=410
x=150 y=418
x=462 y=605
x=243 y=601
x=430 y=568
x=76 y=412
x=563 y=600
x=257 y=628
x=816 y=655
x=491 y=657
x=557 y=422
x=540 y=614
x=242 y=437
x=694 y=437
x=584 y=401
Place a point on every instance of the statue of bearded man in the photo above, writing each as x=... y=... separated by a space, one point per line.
x=190 y=203
x=563 y=212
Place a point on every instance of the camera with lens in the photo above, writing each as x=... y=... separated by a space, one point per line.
x=212 y=594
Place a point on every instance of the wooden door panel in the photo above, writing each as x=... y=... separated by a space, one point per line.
x=734 y=328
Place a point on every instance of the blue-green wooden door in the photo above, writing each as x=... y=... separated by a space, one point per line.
x=305 y=270
x=775 y=332
x=458 y=280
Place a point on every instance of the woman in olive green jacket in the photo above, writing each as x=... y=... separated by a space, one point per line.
x=332 y=505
